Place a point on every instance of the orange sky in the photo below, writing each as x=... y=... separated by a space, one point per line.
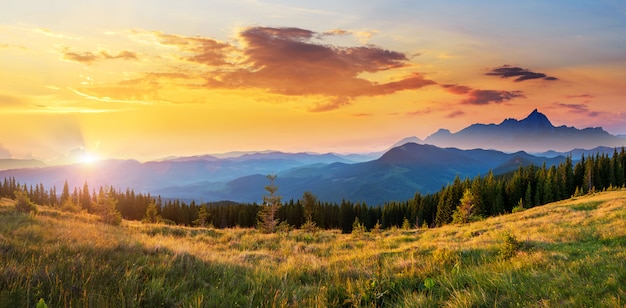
x=146 y=80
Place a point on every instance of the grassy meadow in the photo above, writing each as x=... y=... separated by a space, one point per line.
x=564 y=254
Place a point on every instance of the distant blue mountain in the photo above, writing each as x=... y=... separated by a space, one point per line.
x=396 y=175
x=535 y=133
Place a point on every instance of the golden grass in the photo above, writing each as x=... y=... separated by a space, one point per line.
x=574 y=239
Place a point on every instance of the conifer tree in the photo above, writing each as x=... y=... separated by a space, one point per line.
x=308 y=202
x=203 y=217
x=85 y=198
x=106 y=207
x=65 y=195
x=152 y=214
x=267 y=220
x=464 y=211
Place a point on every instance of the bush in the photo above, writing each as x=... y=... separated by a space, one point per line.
x=23 y=203
x=510 y=246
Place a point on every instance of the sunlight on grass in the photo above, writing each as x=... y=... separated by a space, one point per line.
x=569 y=253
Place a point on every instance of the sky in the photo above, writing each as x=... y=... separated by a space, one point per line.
x=144 y=80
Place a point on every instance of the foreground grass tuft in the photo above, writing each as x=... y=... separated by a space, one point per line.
x=568 y=253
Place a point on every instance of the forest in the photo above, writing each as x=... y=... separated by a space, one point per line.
x=487 y=195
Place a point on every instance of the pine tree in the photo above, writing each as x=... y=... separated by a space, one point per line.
x=203 y=217
x=85 y=198
x=267 y=220
x=308 y=202
x=106 y=208
x=152 y=213
x=65 y=195
x=464 y=211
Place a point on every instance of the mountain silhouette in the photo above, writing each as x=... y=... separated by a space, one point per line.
x=535 y=133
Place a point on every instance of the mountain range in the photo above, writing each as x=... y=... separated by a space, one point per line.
x=409 y=166
x=396 y=175
x=535 y=133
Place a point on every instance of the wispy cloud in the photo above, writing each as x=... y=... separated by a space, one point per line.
x=50 y=33
x=582 y=109
x=482 y=97
x=507 y=71
x=455 y=114
x=10 y=46
x=88 y=57
x=586 y=96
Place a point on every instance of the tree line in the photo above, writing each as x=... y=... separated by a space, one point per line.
x=482 y=196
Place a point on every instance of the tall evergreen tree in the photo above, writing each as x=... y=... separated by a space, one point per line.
x=65 y=195
x=106 y=208
x=267 y=220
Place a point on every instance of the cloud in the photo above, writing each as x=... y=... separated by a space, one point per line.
x=362 y=36
x=201 y=50
x=330 y=105
x=80 y=57
x=49 y=33
x=277 y=61
x=455 y=114
x=88 y=57
x=289 y=61
x=9 y=46
x=579 y=96
x=482 y=97
x=456 y=89
x=579 y=109
x=507 y=71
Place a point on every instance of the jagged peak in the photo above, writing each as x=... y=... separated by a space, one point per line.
x=537 y=118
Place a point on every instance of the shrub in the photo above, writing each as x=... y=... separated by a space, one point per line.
x=69 y=206
x=23 y=203
x=509 y=247
x=358 y=229
x=519 y=207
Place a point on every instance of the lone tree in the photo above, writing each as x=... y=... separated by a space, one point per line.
x=465 y=211
x=308 y=202
x=152 y=213
x=267 y=220
x=106 y=208
x=203 y=217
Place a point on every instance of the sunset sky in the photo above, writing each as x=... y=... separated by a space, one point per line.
x=150 y=79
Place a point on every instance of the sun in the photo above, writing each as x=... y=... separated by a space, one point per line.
x=88 y=158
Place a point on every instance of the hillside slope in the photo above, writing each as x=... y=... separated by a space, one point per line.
x=569 y=253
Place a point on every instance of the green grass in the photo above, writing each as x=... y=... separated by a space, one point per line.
x=570 y=253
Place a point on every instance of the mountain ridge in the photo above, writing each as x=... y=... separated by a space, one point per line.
x=535 y=133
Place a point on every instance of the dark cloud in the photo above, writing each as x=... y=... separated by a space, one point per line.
x=90 y=57
x=482 y=97
x=577 y=108
x=455 y=114
x=80 y=57
x=124 y=54
x=579 y=96
x=507 y=71
x=456 y=89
